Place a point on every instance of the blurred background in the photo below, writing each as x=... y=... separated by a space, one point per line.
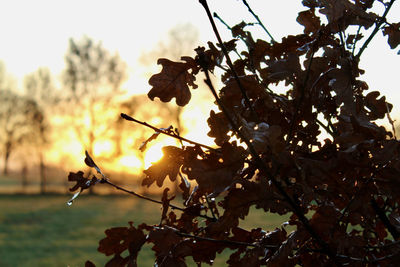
x=69 y=68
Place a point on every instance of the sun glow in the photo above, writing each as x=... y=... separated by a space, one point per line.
x=131 y=163
x=103 y=147
x=153 y=153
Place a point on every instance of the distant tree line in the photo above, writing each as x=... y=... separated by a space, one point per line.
x=88 y=94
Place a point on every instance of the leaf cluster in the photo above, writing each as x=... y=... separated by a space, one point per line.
x=315 y=151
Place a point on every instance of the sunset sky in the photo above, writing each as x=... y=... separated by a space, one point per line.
x=36 y=33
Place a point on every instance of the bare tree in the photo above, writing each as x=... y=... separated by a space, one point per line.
x=18 y=119
x=92 y=79
x=39 y=86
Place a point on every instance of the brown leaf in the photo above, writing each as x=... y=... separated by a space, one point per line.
x=282 y=255
x=342 y=13
x=310 y=22
x=174 y=81
x=89 y=264
x=219 y=127
x=164 y=239
x=119 y=239
x=214 y=173
x=81 y=182
x=283 y=69
x=378 y=107
x=169 y=165
x=393 y=33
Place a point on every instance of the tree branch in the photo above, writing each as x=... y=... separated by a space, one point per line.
x=229 y=242
x=258 y=20
x=106 y=181
x=377 y=27
x=261 y=165
x=228 y=59
x=129 y=118
x=382 y=215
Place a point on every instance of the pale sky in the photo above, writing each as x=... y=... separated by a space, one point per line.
x=36 y=33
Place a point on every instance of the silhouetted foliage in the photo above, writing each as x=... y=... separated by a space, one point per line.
x=342 y=192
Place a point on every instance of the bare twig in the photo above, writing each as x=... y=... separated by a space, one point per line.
x=106 y=181
x=377 y=27
x=355 y=40
x=375 y=260
x=228 y=59
x=229 y=242
x=303 y=89
x=384 y=245
x=258 y=20
x=129 y=118
x=390 y=121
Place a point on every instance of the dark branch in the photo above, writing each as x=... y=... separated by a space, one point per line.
x=258 y=20
x=377 y=27
x=229 y=242
x=382 y=216
x=106 y=181
x=228 y=59
x=129 y=118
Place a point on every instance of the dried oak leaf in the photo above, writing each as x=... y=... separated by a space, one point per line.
x=215 y=173
x=164 y=240
x=393 y=33
x=119 y=239
x=342 y=13
x=231 y=94
x=219 y=127
x=378 y=107
x=169 y=165
x=81 y=182
x=201 y=251
x=282 y=69
x=174 y=80
x=310 y=22
x=281 y=257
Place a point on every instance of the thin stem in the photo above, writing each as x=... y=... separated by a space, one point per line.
x=106 y=181
x=355 y=40
x=382 y=215
x=258 y=20
x=377 y=27
x=129 y=118
x=384 y=245
x=300 y=101
x=228 y=59
x=229 y=242
x=390 y=120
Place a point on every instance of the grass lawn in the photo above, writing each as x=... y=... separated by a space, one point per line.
x=43 y=231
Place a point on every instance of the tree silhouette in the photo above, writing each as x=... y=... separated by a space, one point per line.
x=92 y=79
x=315 y=152
x=40 y=88
x=19 y=119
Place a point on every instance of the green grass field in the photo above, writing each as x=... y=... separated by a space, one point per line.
x=43 y=231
